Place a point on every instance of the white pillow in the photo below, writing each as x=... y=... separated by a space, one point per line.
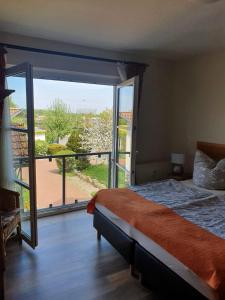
x=208 y=173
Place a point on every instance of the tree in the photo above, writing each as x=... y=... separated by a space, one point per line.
x=75 y=144
x=12 y=104
x=57 y=121
x=41 y=148
x=70 y=161
x=98 y=135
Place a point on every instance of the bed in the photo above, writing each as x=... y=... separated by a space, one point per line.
x=157 y=267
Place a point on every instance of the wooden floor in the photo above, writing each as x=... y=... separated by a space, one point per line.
x=69 y=263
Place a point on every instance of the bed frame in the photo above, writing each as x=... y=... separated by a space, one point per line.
x=153 y=273
x=215 y=151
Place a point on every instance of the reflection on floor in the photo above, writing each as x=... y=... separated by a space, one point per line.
x=69 y=263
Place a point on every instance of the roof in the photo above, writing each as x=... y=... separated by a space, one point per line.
x=127 y=115
x=14 y=111
x=19 y=144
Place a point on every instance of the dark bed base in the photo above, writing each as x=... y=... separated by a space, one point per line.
x=153 y=273
x=158 y=276
x=115 y=236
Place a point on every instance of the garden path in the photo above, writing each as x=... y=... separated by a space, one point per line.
x=49 y=186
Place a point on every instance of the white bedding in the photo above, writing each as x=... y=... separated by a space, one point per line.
x=205 y=208
x=190 y=183
x=210 y=198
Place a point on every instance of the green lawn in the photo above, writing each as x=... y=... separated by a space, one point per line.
x=100 y=173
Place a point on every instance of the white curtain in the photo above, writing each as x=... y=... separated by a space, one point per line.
x=6 y=159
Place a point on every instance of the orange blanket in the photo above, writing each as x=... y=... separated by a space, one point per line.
x=198 y=249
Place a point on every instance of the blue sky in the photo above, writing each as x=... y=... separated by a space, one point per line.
x=79 y=96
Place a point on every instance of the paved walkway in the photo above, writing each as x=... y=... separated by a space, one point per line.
x=49 y=186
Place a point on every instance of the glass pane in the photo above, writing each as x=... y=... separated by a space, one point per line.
x=123 y=143
x=126 y=105
x=18 y=106
x=124 y=161
x=124 y=140
x=24 y=209
x=48 y=183
x=123 y=178
x=20 y=155
x=124 y=134
x=85 y=176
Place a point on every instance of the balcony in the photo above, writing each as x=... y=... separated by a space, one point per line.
x=67 y=182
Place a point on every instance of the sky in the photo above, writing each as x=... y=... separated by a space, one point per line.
x=79 y=96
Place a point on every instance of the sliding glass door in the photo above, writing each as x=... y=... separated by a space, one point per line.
x=20 y=79
x=125 y=126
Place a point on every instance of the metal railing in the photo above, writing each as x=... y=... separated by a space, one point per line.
x=77 y=156
x=66 y=202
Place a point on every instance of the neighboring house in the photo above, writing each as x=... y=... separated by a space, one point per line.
x=127 y=115
x=19 y=144
x=64 y=140
x=19 y=139
x=14 y=111
x=40 y=135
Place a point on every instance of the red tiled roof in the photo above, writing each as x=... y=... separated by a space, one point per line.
x=19 y=143
x=14 y=111
x=126 y=115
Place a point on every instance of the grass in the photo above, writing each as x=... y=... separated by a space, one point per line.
x=100 y=173
x=40 y=132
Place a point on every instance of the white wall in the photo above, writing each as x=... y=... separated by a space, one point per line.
x=153 y=144
x=58 y=46
x=197 y=109
x=61 y=67
x=153 y=139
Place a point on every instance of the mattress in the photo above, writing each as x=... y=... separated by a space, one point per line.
x=160 y=253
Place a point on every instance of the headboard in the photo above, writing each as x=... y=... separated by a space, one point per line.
x=215 y=151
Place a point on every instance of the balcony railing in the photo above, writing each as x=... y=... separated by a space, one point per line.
x=60 y=168
x=67 y=181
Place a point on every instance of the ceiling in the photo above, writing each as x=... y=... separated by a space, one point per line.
x=176 y=27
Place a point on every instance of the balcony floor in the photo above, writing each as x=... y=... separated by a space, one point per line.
x=69 y=263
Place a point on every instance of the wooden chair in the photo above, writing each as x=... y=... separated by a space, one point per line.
x=9 y=219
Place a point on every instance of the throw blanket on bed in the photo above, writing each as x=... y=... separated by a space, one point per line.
x=197 y=248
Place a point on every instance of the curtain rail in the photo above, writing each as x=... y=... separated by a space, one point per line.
x=67 y=54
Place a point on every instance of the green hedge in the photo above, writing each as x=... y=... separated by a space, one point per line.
x=55 y=148
x=41 y=148
x=82 y=163
x=70 y=161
